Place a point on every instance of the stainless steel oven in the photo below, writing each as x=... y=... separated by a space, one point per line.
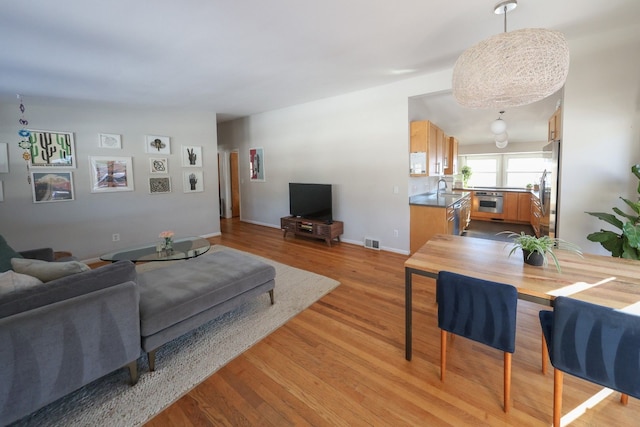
x=490 y=201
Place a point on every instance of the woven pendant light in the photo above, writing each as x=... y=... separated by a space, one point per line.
x=512 y=68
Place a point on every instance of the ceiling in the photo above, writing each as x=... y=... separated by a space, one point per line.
x=238 y=58
x=527 y=123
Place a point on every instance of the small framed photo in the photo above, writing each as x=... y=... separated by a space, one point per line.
x=158 y=165
x=159 y=185
x=191 y=156
x=109 y=140
x=52 y=149
x=193 y=182
x=51 y=186
x=256 y=164
x=4 y=157
x=109 y=174
x=157 y=144
x=1 y=192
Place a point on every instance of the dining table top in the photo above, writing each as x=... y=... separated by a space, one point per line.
x=603 y=280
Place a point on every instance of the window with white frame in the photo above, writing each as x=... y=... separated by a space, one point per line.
x=505 y=170
x=484 y=170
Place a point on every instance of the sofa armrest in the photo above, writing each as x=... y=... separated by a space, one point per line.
x=55 y=349
x=44 y=254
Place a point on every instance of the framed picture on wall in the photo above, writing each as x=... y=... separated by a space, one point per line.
x=4 y=157
x=159 y=185
x=193 y=182
x=52 y=149
x=158 y=165
x=109 y=140
x=157 y=144
x=51 y=186
x=1 y=193
x=256 y=164
x=109 y=174
x=191 y=156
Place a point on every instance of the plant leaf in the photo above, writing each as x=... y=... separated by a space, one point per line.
x=629 y=252
x=632 y=232
x=635 y=206
x=603 y=236
x=607 y=217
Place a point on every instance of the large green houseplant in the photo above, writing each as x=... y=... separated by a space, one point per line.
x=626 y=243
x=535 y=249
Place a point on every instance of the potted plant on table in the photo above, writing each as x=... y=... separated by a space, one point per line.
x=535 y=249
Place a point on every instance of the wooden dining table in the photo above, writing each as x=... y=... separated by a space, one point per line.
x=603 y=280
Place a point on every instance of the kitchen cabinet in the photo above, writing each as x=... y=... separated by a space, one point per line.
x=536 y=214
x=429 y=139
x=465 y=213
x=524 y=207
x=427 y=221
x=517 y=206
x=451 y=156
x=555 y=126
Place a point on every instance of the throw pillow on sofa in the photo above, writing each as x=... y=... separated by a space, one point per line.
x=47 y=271
x=6 y=253
x=10 y=281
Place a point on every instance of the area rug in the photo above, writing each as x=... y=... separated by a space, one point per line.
x=185 y=362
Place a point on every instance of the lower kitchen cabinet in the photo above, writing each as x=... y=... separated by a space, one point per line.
x=536 y=214
x=517 y=207
x=426 y=222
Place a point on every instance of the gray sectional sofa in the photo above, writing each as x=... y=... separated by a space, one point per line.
x=63 y=334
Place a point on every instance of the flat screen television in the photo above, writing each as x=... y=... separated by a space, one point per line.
x=312 y=201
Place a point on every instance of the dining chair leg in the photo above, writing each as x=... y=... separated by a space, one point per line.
x=507 y=380
x=443 y=353
x=558 y=376
x=544 y=352
x=624 y=398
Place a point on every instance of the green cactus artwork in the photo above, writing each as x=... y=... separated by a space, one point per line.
x=51 y=149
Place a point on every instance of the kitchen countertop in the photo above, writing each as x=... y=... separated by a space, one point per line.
x=438 y=200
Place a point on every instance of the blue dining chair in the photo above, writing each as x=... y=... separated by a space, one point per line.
x=598 y=344
x=480 y=310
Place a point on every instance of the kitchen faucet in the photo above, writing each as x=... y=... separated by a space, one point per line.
x=438 y=186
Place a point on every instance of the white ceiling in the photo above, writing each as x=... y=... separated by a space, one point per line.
x=248 y=56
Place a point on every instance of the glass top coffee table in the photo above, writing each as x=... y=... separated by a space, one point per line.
x=187 y=247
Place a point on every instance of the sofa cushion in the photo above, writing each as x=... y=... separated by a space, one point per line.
x=67 y=287
x=10 y=281
x=6 y=253
x=47 y=271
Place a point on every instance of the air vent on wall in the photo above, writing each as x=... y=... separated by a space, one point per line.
x=371 y=243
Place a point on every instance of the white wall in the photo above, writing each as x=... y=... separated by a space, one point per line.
x=601 y=135
x=359 y=143
x=85 y=226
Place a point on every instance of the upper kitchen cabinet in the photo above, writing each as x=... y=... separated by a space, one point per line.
x=451 y=156
x=555 y=125
x=427 y=149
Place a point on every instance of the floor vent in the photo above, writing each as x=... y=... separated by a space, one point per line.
x=371 y=243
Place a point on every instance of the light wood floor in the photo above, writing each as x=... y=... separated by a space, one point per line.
x=341 y=362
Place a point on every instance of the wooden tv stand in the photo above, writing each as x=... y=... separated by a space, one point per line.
x=312 y=228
